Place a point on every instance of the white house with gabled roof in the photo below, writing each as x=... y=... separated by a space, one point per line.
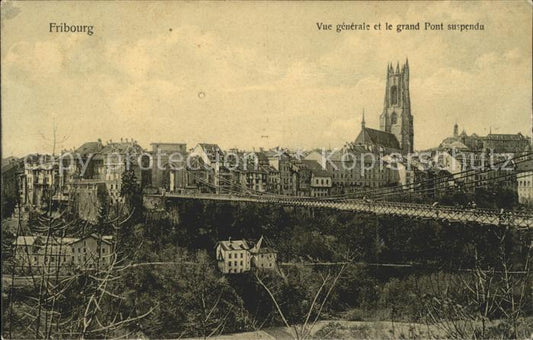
x=233 y=256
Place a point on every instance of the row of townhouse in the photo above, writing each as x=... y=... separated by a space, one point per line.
x=36 y=253
x=471 y=171
x=82 y=178
x=95 y=171
x=355 y=169
x=206 y=168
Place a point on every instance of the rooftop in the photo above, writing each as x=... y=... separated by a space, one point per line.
x=90 y=148
x=234 y=245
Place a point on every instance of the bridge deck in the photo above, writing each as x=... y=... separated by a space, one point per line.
x=452 y=214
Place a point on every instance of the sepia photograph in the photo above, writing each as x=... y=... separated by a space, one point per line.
x=260 y=170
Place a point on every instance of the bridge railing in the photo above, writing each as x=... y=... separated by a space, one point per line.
x=488 y=216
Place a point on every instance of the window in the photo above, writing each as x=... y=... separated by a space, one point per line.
x=242 y=255
x=241 y=263
x=394 y=95
x=229 y=264
x=394 y=118
x=229 y=256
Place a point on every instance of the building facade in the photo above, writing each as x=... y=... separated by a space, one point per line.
x=161 y=153
x=525 y=188
x=524 y=180
x=39 y=181
x=263 y=257
x=233 y=256
x=497 y=143
x=239 y=256
x=33 y=254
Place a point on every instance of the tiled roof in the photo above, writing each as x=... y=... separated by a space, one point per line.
x=90 y=148
x=263 y=247
x=11 y=164
x=66 y=240
x=31 y=240
x=105 y=238
x=9 y=160
x=381 y=138
x=121 y=148
x=315 y=168
x=265 y=250
x=234 y=245
x=453 y=145
x=505 y=137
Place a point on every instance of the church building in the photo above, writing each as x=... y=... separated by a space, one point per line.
x=396 y=122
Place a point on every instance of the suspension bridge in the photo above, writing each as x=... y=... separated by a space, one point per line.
x=411 y=210
x=380 y=201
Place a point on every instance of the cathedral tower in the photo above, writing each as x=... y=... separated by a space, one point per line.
x=396 y=117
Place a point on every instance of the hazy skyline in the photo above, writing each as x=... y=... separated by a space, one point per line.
x=234 y=72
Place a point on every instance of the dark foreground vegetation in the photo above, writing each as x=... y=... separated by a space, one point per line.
x=469 y=281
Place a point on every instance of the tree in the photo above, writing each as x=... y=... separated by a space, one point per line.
x=69 y=302
x=469 y=303
x=130 y=190
x=189 y=297
x=326 y=282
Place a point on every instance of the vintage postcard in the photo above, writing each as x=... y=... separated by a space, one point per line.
x=267 y=169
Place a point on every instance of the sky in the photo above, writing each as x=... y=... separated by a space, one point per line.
x=256 y=74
